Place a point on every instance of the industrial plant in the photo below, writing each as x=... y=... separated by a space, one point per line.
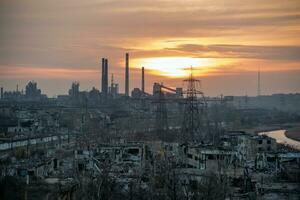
x=176 y=143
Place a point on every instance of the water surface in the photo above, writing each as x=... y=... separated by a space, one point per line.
x=281 y=138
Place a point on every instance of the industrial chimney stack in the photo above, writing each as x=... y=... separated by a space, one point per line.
x=1 y=92
x=143 y=79
x=106 y=77
x=104 y=85
x=103 y=74
x=127 y=75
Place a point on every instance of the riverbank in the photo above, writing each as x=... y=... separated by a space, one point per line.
x=281 y=138
x=293 y=133
x=292 y=128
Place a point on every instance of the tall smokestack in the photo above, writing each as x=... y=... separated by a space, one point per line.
x=258 y=83
x=143 y=79
x=103 y=75
x=127 y=75
x=104 y=82
x=1 y=92
x=106 y=77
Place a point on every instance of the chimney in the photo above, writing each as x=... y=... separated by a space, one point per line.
x=1 y=92
x=103 y=75
x=104 y=82
x=143 y=79
x=127 y=75
x=106 y=77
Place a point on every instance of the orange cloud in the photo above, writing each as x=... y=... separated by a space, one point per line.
x=28 y=72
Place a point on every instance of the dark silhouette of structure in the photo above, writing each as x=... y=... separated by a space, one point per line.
x=102 y=74
x=31 y=90
x=194 y=111
x=74 y=91
x=258 y=83
x=104 y=86
x=1 y=93
x=127 y=74
x=143 y=79
x=162 y=94
x=114 y=87
x=161 y=118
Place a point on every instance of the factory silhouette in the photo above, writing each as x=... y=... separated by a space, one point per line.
x=175 y=143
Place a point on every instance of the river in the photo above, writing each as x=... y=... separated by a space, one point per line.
x=281 y=138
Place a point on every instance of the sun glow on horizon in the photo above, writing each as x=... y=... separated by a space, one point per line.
x=173 y=67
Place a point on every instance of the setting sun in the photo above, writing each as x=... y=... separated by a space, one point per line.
x=173 y=66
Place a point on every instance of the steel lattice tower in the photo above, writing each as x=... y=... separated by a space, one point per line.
x=161 y=119
x=194 y=111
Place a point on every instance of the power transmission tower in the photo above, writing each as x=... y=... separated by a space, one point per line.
x=194 y=111
x=161 y=119
x=81 y=137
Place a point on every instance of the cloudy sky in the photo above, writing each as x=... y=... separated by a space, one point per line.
x=56 y=42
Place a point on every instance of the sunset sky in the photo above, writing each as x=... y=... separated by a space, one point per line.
x=56 y=42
